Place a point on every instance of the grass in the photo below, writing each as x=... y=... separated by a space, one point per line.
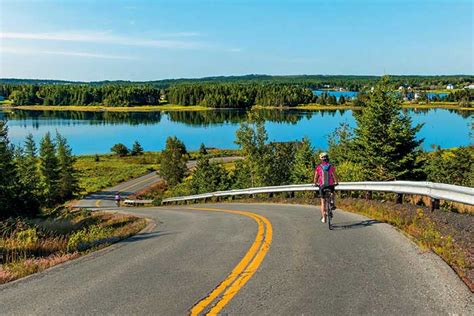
x=437 y=105
x=93 y=108
x=7 y=105
x=31 y=245
x=97 y=172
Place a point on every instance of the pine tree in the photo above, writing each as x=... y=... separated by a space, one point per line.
x=9 y=180
x=202 y=150
x=27 y=164
x=208 y=176
x=137 y=149
x=385 y=142
x=49 y=171
x=68 y=184
x=173 y=161
x=303 y=166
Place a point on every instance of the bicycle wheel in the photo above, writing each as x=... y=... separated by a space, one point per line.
x=328 y=213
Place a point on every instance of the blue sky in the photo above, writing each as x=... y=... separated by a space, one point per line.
x=148 y=40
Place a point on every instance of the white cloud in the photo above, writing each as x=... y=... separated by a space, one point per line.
x=33 y=51
x=107 y=38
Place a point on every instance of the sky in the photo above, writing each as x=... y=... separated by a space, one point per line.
x=150 y=40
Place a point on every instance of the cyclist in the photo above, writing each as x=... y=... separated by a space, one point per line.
x=325 y=177
x=117 y=198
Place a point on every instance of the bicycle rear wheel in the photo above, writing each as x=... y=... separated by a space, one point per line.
x=328 y=213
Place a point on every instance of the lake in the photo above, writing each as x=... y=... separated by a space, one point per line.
x=96 y=132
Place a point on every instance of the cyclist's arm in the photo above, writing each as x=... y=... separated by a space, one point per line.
x=336 y=180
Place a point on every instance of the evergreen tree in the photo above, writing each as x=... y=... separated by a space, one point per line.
x=304 y=164
x=385 y=142
x=9 y=180
x=202 y=150
x=27 y=164
x=49 y=171
x=68 y=184
x=173 y=161
x=137 y=149
x=208 y=177
x=242 y=176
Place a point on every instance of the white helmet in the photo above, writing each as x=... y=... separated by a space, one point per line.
x=323 y=155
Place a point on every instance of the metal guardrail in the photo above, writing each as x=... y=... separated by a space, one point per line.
x=137 y=202
x=437 y=191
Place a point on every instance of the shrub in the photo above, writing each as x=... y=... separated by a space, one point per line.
x=120 y=149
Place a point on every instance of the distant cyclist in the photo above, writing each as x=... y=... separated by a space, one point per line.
x=325 y=177
x=118 y=198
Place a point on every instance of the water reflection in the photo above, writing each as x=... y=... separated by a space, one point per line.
x=191 y=118
x=66 y=118
x=96 y=132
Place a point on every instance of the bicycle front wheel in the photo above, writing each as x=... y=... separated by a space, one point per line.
x=328 y=214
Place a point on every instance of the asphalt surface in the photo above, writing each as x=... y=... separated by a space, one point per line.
x=361 y=267
x=105 y=198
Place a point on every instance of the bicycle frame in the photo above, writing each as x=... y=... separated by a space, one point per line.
x=327 y=196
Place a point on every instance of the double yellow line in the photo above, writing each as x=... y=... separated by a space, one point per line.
x=244 y=270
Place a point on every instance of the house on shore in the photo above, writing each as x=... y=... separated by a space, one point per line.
x=449 y=87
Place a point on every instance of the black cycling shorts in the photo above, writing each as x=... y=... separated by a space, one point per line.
x=328 y=187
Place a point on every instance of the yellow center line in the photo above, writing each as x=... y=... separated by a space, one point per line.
x=244 y=270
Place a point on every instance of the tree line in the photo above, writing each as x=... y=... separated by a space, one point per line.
x=209 y=94
x=349 y=82
x=110 y=95
x=32 y=178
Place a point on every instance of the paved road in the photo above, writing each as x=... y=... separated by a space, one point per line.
x=296 y=267
x=105 y=198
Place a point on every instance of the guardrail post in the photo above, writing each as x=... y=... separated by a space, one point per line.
x=368 y=195
x=292 y=194
x=399 y=198
x=270 y=195
x=434 y=204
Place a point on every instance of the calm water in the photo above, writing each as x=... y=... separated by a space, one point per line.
x=353 y=94
x=96 y=132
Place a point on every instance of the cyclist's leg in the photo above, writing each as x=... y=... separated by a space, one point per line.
x=323 y=204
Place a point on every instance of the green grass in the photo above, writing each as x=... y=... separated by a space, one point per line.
x=6 y=103
x=95 y=108
x=111 y=169
x=31 y=245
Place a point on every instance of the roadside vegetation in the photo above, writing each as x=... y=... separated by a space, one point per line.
x=30 y=245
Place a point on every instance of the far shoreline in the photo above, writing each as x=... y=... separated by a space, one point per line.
x=193 y=108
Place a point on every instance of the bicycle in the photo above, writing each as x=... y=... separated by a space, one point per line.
x=328 y=197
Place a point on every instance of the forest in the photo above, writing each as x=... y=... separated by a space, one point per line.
x=222 y=92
